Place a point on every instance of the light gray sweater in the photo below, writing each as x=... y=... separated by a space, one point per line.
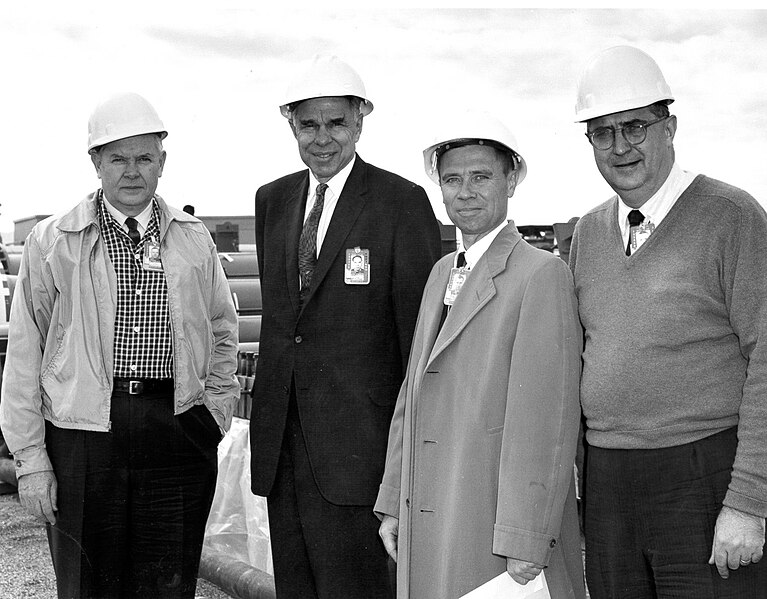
x=676 y=334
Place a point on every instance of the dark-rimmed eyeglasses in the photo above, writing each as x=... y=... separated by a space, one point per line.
x=634 y=133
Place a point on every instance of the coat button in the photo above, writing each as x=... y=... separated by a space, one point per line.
x=552 y=543
x=299 y=339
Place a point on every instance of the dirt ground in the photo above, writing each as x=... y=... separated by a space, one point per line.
x=26 y=571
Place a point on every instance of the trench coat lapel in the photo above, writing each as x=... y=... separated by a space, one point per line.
x=477 y=291
x=350 y=203
x=295 y=206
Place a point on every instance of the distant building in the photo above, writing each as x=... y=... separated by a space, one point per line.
x=230 y=232
x=22 y=227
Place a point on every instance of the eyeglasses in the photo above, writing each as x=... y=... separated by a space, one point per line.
x=634 y=133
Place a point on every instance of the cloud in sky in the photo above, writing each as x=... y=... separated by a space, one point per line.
x=216 y=76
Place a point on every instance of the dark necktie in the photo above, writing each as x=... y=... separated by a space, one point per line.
x=307 y=244
x=635 y=219
x=133 y=233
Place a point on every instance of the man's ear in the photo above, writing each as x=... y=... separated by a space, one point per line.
x=670 y=126
x=96 y=160
x=511 y=183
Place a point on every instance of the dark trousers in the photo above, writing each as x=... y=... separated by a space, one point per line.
x=649 y=521
x=320 y=550
x=133 y=502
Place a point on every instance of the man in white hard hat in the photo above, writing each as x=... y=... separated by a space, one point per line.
x=344 y=249
x=479 y=469
x=672 y=289
x=120 y=373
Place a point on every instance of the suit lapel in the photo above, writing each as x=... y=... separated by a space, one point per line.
x=478 y=290
x=350 y=203
x=295 y=206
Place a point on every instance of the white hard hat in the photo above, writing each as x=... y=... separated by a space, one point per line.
x=617 y=79
x=120 y=116
x=325 y=76
x=472 y=127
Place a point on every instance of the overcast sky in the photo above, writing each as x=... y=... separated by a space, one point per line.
x=216 y=76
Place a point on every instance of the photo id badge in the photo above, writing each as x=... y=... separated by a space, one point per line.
x=357 y=269
x=152 y=259
x=454 y=284
x=639 y=234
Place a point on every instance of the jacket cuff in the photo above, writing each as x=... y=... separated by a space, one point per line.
x=523 y=545
x=387 y=502
x=31 y=460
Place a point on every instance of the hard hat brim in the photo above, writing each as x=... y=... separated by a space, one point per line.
x=430 y=155
x=97 y=143
x=366 y=106
x=586 y=114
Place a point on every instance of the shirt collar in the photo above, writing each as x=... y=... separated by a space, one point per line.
x=478 y=248
x=143 y=218
x=336 y=182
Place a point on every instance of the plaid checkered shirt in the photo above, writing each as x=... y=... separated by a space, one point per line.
x=143 y=342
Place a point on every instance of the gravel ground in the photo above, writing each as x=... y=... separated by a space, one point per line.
x=26 y=571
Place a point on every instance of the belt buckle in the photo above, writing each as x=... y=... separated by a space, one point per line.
x=135 y=387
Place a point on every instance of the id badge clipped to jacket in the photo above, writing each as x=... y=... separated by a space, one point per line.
x=357 y=267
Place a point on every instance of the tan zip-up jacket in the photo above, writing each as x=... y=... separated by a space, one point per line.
x=59 y=363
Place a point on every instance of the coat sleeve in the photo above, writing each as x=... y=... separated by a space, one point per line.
x=746 y=296
x=387 y=502
x=417 y=248
x=221 y=386
x=542 y=418
x=21 y=416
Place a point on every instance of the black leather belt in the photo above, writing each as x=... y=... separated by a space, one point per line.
x=143 y=386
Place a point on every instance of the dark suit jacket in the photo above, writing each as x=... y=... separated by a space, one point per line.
x=347 y=349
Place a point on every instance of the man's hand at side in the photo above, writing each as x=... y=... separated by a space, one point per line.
x=389 y=531
x=521 y=571
x=37 y=493
x=738 y=540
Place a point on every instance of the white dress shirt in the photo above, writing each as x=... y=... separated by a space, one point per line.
x=478 y=248
x=335 y=187
x=143 y=218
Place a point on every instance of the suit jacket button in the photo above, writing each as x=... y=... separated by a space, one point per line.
x=552 y=543
x=299 y=339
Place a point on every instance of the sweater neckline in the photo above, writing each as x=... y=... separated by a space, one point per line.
x=664 y=224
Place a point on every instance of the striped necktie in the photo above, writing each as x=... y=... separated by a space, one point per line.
x=307 y=244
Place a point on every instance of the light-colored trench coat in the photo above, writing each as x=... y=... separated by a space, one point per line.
x=482 y=443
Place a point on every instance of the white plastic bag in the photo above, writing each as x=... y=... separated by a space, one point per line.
x=238 y=524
